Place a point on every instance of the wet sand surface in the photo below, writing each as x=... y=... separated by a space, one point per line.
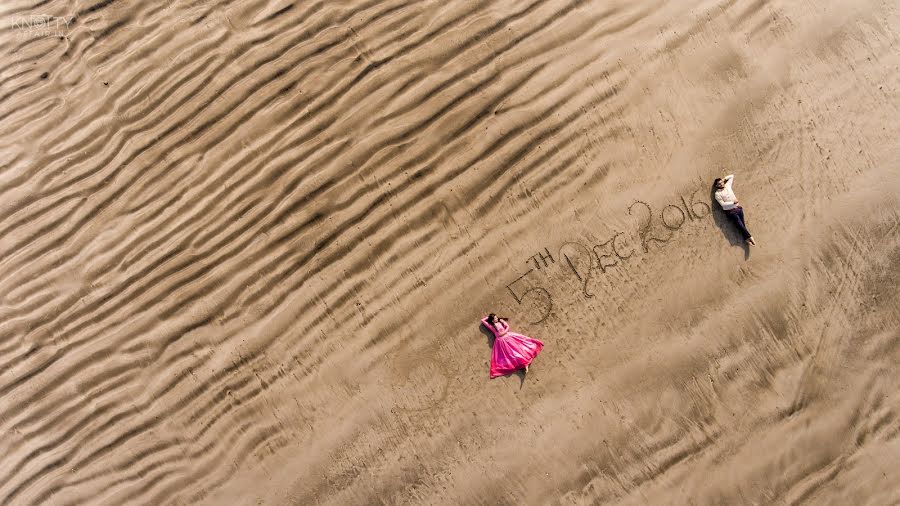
x=245 y=248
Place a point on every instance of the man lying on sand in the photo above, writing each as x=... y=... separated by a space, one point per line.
x=729 y=202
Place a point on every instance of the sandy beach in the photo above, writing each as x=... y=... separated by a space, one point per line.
x=245 y=248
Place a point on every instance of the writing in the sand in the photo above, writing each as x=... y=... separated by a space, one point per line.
x=654 y=227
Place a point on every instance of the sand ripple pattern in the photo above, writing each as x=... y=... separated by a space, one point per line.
x=244 y=247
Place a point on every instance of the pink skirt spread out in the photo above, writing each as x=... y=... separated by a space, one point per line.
x=511 y=351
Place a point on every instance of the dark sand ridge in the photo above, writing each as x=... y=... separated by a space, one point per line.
x=245 y=248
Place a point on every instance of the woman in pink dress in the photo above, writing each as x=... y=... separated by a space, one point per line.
x=511 y=351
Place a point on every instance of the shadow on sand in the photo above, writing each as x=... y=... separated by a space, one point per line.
x=490 y=342
x=728 y=229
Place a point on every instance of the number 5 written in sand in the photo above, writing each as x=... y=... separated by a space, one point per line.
x=539 y=289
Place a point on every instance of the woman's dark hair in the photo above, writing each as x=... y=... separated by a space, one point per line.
x=716 y=182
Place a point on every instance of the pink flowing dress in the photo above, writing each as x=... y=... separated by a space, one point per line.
x=511 y=351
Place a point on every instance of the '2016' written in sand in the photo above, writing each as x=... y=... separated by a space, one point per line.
x=617 y=249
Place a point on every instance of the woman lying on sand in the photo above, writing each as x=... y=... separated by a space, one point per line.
x=729 y=202
x=511 y=351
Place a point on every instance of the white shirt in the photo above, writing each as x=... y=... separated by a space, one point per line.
x=725 y=197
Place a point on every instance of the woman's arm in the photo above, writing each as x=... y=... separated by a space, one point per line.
x=729 y=179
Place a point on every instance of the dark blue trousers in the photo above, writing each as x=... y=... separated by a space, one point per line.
x=736 y=216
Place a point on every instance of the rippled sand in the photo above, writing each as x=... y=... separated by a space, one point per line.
x=245 y=248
